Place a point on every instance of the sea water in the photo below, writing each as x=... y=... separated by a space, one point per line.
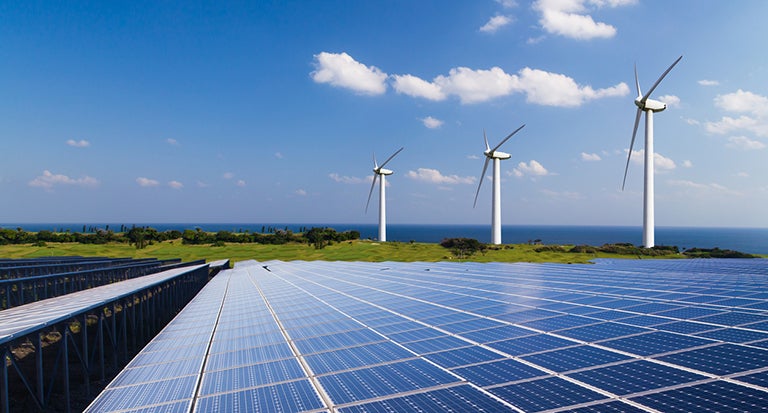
x=750 y=240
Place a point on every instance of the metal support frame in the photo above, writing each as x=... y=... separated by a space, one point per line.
x=149 y=310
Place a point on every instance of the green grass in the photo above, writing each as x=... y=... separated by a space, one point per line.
x=345 y=251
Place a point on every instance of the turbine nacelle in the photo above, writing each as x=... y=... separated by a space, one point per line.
x=382 y=171
x=497 y=155
x=650 y=104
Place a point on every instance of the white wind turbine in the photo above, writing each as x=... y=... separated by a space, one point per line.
x=379 y=171
x=497 y=157
x=649 y=106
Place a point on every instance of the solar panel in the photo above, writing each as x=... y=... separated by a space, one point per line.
x=433 y=337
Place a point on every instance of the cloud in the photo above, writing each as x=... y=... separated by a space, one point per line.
x=346 y=179
x=705 y=82
x=416 y=87
x=507 y=4
x=701 y=187
x=743 y=102
x=201 y=184
x=670 y=100
x=301 y=192
x=532 y=168
x=48 y=180
x=687 y=164
x=434 y=176
x=82 y=143
x=431 y=122
x=590 y=157
x=146 y=182
x=228 y=175
x=752 y=107
x=278 y=155
x=495 y=23
x=567 y=195
x=175 y=184
x=341 y=70
x=742 y=142
x=240 y=183
x=568 y=18
x=469 y=85
x=554 y=89
x=660 y=162
x=172 y=141
x=473 y=86
x=690 y=121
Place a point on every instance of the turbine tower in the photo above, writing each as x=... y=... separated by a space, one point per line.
x=497 y=157
x=379 y=171
x=649 y=106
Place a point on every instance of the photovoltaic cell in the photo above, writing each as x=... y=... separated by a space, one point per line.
x=324 y=336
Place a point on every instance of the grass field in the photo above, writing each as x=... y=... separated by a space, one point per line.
x=345 y=251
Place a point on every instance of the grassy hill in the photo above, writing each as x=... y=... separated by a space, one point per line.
x=345 y=251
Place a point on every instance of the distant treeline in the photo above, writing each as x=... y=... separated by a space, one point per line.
x=143 y=236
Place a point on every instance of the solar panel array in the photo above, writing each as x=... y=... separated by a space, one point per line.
x=674 y=335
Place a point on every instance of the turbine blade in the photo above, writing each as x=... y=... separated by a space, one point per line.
x=507 y=138
x=648 y=94
x=631 y=144
x=637 y=82
x=375 y=165
x=482 y=175
x=487 y=147
x=373 y=184
x=390 y=158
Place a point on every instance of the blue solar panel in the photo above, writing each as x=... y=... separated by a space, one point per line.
x=721 y=360
x=498 y=372
x=323 y=336
x=574 y=358
x=718 y=396
x=544 y=394
x=634 y=377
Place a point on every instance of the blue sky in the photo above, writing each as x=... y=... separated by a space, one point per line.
x=270 y=111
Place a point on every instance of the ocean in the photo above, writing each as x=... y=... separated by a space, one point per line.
x=750 y=240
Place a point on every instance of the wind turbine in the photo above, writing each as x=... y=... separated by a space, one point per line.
x=497 y=157
x=379 y=171
x=649 y=106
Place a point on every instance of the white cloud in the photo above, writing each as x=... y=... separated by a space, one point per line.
x=742 y=142
x=473 y=86
x=431 y=122
x=554 y=89
x=82 y=143
x=690 y=121
x=705 y=82
x=416 y=87
x=175 y=184
x=434 y=176
x=742 y=175
x=172 y=141
x=301 y=192
x=201 y=184
x=346 y=179
x=278 y=155
x=701 y=187
x=48 y=180
x=728 y=124
x=743 y=102
x=660 y=162
x=590 y=157
x=670 y=100
x=507 y=4
x=568 y=18
x=240 y=183
x=341 y=70
x=532 y=168
x=687 y=164
x=146 y=182
x=567 y=195
x=228 y=175
x=495 y=23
